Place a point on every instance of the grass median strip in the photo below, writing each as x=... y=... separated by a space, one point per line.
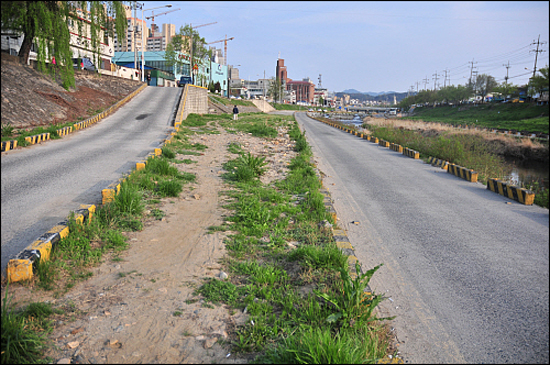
x=285 y=269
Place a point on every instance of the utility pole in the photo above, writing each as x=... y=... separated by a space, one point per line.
x=426 y=82
x=445 y=81
x=537 y=51
x=506 y=78
x=435 y=80
x=418 y=82
x=474 y=73
x=471 y=70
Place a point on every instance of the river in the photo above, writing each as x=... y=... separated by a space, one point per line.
x=528 y=172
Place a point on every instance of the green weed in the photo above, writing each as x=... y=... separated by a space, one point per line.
x=169 y=188
x=168 y=153
x=24 y=333
x=157 y=214
x=7 y=130
x=352 y=302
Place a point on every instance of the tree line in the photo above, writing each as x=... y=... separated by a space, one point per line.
x=482 y=86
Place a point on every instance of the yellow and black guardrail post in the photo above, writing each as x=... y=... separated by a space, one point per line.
x=9 y=145
x=411 y=153
x=438 y=162
x=24 y=265
x=521 y=195
x=396 y=147
x=463 y=173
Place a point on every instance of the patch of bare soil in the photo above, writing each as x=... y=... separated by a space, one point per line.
x=142 y=309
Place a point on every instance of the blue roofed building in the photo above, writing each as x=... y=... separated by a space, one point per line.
x=157 y=68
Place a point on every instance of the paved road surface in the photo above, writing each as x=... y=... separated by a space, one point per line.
x=41 y=184
x=467 y=272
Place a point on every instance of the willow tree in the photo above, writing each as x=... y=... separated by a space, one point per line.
x=48 y=22
x=189 y=42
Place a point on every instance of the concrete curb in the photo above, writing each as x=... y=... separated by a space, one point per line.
x=38 y=138
x=340 y=236
x=24 y=265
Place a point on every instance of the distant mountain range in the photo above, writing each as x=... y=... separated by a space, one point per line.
x=369 y=95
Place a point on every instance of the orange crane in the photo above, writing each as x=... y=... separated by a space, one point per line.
x=225 y=46
x=153 y=14
x=202 y=25
x=153 y=18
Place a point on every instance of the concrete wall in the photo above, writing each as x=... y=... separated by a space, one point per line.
x=194 y=100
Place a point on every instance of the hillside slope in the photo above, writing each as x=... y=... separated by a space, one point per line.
x=30 y=98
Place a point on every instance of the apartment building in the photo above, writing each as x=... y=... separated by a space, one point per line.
x=168 y=31
x=132 y=41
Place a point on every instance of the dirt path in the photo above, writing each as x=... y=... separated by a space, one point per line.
x=141 y=309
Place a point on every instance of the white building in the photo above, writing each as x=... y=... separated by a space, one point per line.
x=80 y=44
x=257 y=89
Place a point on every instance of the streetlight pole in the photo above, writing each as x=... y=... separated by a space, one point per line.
x=143 y=37
x=134 y=36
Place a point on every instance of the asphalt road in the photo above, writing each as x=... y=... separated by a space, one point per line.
x=41 y=184
x=466 y=269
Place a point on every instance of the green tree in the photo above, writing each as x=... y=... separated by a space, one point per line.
x=506 y=90
x=463 y=92
x=484 y=85
x=321 y=101
x=539 y=82
x=189 y=42
x=47 y=23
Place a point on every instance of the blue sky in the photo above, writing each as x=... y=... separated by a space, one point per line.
x=372 y=46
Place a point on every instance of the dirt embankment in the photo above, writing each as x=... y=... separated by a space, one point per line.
x=30 y=98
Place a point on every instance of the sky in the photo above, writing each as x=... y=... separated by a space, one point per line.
x=373 y=46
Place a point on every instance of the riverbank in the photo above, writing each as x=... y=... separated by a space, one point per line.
x=509 y=147
x=491 y=155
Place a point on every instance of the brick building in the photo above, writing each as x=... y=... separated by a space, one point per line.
x=304 y=90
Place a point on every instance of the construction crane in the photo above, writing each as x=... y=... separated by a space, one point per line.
x=225 y=47
x=202 y=25
x=152 y=17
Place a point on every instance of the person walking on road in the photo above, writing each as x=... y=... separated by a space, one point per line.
x=235 y=112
